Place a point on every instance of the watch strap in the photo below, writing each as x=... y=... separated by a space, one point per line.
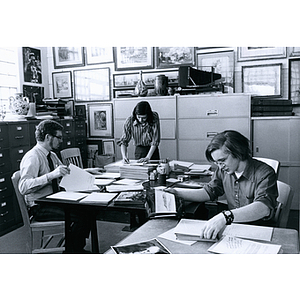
x=229 y=217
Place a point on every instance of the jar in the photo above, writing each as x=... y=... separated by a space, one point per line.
x=161 y=84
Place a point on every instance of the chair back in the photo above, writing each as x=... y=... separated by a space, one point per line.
x=284 y=199
x=71 y=155
x=275 y=164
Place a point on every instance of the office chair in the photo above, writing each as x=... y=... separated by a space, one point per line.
x=275 y=164
x=41 y=228
x=73 y=156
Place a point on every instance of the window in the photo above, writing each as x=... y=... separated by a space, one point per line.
x=8 y=74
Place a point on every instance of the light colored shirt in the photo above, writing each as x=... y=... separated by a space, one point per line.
x=34 y=168
x=257 y=183
x=142 y=134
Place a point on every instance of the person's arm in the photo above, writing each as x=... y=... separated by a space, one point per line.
x=124 y=154
x=194 y=195
x=125 y=139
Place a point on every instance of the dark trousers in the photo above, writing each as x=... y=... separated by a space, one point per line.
x=80 y=228
x=142 y=151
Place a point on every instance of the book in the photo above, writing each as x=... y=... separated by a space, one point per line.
x=99 y=198
x=234 y=245
x=153 y=246
x=131 y=198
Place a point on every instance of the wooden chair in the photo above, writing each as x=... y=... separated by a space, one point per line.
x=47 y=231
x=71 y=155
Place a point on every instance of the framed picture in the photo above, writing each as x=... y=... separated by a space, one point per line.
x=262 y=80
x=34 y=94
x=254 y=53
x=168 y=57
x=108 y=147
x=124 y=92
x=80 y=112
x=32 y=65
x=100 y=120
x=294 y=80
x=62 y=84
x=133 y=58
x=222 y=63
x=66 y=57
x=92 y=85
x=99 y=55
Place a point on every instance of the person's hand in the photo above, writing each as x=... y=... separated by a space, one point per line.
x=60 y=171
x=143 y=159
x=171 y=191
x=213 y=226
x=126 y=160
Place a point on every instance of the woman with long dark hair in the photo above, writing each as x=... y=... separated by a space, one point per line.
x=144 y=128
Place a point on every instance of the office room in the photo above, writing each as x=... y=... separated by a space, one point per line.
x=256 y=95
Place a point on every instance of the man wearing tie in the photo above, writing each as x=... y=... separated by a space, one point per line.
x=41 y=171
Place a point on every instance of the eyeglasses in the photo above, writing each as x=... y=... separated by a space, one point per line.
x=222 y=161
x=58 y=137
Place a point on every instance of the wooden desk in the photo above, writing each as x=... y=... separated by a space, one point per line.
x=288 y=238
x=92 y=210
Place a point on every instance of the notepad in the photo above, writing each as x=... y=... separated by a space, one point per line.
x=68 y=196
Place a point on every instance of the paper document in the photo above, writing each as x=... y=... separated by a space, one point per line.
x=128 y=181
x=233 y=245
x=108 y=175
x=170 y=235
x=102 y=181
x=261 y=233
x=78 y=180
x=99 y=198
x=123 y=188
x=67 y=196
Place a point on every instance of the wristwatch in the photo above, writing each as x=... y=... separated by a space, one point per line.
x=229 y=217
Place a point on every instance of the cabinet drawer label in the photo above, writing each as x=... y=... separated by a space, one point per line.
x=19 y=128
x=21 y=151
x=2 y=179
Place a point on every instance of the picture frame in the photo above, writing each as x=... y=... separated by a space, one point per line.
x=62 y=84
x=92 y=84
x=80 y=112
x=133 y=58
x=32 y=65
x=168 y=57
x=34 y=94
x=123 y=92
x=108 y=147
x=262 y=80
x=222 y=62
x=99 y=55
x=294 y=80
x=100 y=118
x=67 y=57
x=256 y=53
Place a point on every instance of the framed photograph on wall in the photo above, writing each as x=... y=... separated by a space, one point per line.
x=32 y=65
x=168 y=57
x=262 y=80
x=34 y=94
x=221 y=62
x=294 y=80
x=100 y=120
x=92 y=85
x=66 y=57
x=133 y=58
x=99 y=55
x=62 y=84
x=254 y=53
x=108 y=147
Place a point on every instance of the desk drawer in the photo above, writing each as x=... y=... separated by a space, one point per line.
x=17 y=155
x=3 y=136
x=6 y=188
x=18 y=134
x=5 y=164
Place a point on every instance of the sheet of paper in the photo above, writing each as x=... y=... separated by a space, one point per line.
x=99 y=198
x=78 y=180
x=123 y=188
x=108 y=175
x=170 y=235
x=261 y=233
x=202 y=168
x=233 y=245
x=102 y=181
x=68 y=196
x=128 y=181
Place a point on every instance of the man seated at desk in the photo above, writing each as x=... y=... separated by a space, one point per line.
x=40 y=171
x=250 y=185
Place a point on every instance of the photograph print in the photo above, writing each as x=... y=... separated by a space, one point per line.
x=32 y=65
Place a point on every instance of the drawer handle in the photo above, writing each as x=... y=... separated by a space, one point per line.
x=2 y=215
x=19 y=137
x=212 y=112
x=211 y=134
x=4 y=189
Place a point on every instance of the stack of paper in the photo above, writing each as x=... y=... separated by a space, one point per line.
x=135 y=172
x=99 y=198
x=114 y=167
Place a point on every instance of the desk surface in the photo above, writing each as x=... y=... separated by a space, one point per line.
x=287 y=238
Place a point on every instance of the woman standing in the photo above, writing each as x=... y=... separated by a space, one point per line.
x=144 y=128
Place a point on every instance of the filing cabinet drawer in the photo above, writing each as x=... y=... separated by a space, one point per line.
x=17 y=155
x=3 y=136
x=68 y=142
x=80 y=142
x=5 y=164
x=68 y=128
x=6 y=211
x=80 y=125
x=6 y=188
x=80 y=133
x=18 y=134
